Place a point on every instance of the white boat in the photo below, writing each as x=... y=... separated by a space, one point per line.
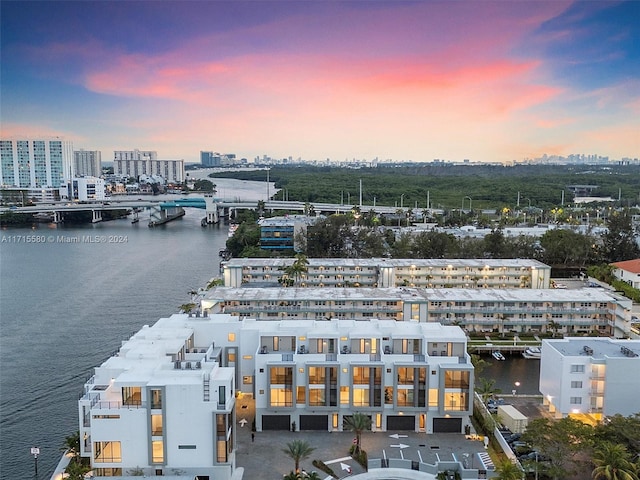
x=532 y=353
x=498 y=355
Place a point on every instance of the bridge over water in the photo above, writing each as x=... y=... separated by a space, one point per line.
x=162 y=211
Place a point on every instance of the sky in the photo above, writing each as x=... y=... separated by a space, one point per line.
x=491 y=81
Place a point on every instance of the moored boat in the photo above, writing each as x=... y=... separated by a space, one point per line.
x=533 y=353
x=498 y=355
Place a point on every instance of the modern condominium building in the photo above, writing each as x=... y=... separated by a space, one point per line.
x=590 y=378
x=481 y=310
x=134 y=163
x=35 y=163
x=382 y=272
x=162 y=404
x=87 y=163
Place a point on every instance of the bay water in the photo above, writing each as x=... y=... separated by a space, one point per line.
x=67 y=303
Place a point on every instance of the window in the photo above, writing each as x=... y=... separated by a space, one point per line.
x=156 y=425
x=456 y=379
x=231 y=337
x=186 y=447
x=157 y=451
x=281 y=397
x=316 y=397
x=247 y=379
x=575 y=400
x=576 y=384
x=301 y=396
x=577 y=368
x=344 y=395
x=107 y=452
x=131 y=395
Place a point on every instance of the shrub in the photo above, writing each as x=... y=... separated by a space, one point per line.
x=325 y=468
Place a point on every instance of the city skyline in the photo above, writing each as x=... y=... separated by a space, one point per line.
x=408 y=81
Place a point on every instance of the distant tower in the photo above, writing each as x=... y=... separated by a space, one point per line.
x=87 y=163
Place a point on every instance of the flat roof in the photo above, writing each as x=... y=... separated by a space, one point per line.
x=598 y=348
x=412 y=294
x=390 y=262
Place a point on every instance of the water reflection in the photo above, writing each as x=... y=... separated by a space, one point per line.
x=514 y=369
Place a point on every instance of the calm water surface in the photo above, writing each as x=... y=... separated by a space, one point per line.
x=66 y=307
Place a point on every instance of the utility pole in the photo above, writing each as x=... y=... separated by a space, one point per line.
x=360 y=193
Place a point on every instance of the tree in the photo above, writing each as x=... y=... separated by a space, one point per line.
x=486 y=388
x=507 y=470
x=298 y=450
x=298 y=268
x=620 y=429
x=494 y=243
x=187 y=307
x=358 y=423
x=613 y=462
x=561 y=441
x=619 y=241
x=72 y=444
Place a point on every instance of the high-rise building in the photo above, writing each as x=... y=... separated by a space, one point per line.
x=209 y=159
x=138 y=162
x=35 y=163
x=87 y=162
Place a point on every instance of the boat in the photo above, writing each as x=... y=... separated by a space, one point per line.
x=532 y=353
x=232 y=229
x=498 y=355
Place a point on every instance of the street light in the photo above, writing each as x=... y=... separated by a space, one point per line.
x=517 y=384
x=35 y=451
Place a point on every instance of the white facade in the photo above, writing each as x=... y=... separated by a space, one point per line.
x=383 y=272
x=166 y=400
x=35 y=163
x=590 y=376
x=480 y=310
x=87 y=162
x=162 y=403
x=84 y=189
x=628 y=271
x=134 y=163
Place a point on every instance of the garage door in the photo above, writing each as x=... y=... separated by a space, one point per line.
x=314 y=422
x=401 y=422
x=447 y=425
x=276 y=422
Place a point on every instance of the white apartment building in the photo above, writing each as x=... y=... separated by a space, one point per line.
x=405 y=376
x=383 y=272
x=163 y=403
x=476 y=310
x=590 y=378
x=84 y=189
x=134 y=163
x=87 y=163
x=35 y=163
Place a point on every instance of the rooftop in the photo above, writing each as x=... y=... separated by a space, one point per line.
x=389 y=262
x=416 y=295
x=597 y=348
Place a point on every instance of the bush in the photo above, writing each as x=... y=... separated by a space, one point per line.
x=325 y=468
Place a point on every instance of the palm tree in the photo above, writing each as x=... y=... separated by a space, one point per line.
x=72 y=444
x=613 y=462
x=298 y=450
x=358 y=423
x=555 y=326
x=486 y=388
x=298 y=268
x=507 y=470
